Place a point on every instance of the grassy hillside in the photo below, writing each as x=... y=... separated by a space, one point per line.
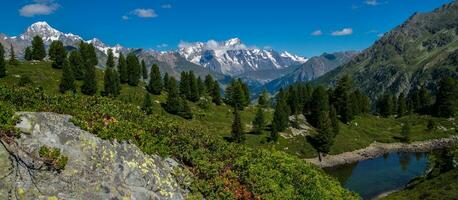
x=217 y=119
x=221 y=170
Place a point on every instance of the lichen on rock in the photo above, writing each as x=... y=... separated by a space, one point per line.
x=96 y=169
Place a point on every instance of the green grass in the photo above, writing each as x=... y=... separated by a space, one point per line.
x=444 y=186
x=218 y=119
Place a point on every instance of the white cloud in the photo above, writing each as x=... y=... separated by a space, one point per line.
x=40 y=7
x=317 y=33
x=163 y=45
x=372 y=2
x=166 y=6
x=144 y=13
x=343 y=32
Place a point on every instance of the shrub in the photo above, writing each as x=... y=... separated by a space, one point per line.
x=25 y=81
x=52 y=158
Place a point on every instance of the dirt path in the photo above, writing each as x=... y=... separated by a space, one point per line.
x=378 y=149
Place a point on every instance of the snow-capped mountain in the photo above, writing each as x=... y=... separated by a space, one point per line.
x=232 y=57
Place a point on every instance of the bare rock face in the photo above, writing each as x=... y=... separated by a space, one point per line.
x=96 y=169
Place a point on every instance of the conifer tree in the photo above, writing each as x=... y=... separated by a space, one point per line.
x=173 y=102
x=385 y=105
x=425 y=100
x=155 y=81
x=147 y=106
x=446 y=98
x=38 y=48
x=184 y=85
x=402 y=106
x=185 y=110
x=334 y=121
x=263 y=99
x=237 y=128
x=110 y=80
x=122 y=68
x=235 y=95
x=193 y=86
x=209 y=83
x=57 y=54
x=133 y=69
x=77 y=65
x=216 y=93
x=28 y=54
x=323 y=141
x=13 y=61
x=341 y=99
x=67 y=82
x=117 y=83
x=201 y=87
x=2 y=62
x=165 y=81
x=246 y=93
x=259 y=121
x=280 y=120
x=405 y=132
x=144 y=70
x=318 y=104
x=89 y=59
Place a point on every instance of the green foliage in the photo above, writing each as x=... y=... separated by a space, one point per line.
x=446 y=99
x=215 y=93
x=147 y=104
x=385 y=105
x=341 y=99
x=52 y=158
x=2 y=62
x=402 y=105
x=259 y=121
x=111 y=77
x=263 y=99
x=38 y=48
x=237 y=128
x=77 y=64
x=144 y=70
x=318 y=104
x=67 y=82
x=405 y=133
x=7 y=120
x=236 y=94
x=57 y=54
x=89 y=86
x=165 y=81
x=133 y=69
x=25 y=80
x=13 y=61
x=28 y=54
x=123 y=69
x=438 y=41
x=155 y=81
x=280 y=120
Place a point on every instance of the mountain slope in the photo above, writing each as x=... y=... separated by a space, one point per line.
x=312 y=69
x=232 y=57
x=420 y=51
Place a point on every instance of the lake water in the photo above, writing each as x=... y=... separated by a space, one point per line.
x=370 y=178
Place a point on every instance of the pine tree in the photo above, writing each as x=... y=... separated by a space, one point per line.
x=235 y=95
x=193 y=86
x=318 y=104
x=201 y=87
x=122 y=68
x=89 y=59
x=2 y=62
x=341 y=99
x=147 y=104
x=259 y=121
x=323 y=141
x=246 y=93
x=173 y=102
x=108 y=82
x=28 y=54
x=134 y=69
x=405 y=132
x=144 y=70
x=402 y=106
x=209 y=83
x=77 y=65
x=57 y=54
x=216 y=93
x=237 y=128
x=263 y=99
x=334 y=121
x=116 y=83
x=67 y=82
x=155 y=81
x=38 y=48
x=446 y=98
x=184 y=85
x=185 y=110
x=280 y=120
x=13 y=61
x=385 y=105
x=425 y=100
x=165 y=81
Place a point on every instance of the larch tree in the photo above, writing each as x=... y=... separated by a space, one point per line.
x=155 y=81
x=38 y=48
x=144 y=70
x=13 y=61
x=67 y=82
x=57 y=54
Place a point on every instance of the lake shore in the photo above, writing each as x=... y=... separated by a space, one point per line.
x=377 y=149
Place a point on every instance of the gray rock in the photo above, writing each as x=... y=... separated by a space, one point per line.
x=96 y=169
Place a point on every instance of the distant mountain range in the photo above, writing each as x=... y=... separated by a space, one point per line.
x=418 y=52
x=224 y=60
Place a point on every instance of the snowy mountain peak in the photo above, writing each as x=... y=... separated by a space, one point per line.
x=296 y=58
x=233 y=42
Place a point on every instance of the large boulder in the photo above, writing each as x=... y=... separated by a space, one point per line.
x=96 y=169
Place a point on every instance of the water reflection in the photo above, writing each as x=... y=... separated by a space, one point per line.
x=370 y=178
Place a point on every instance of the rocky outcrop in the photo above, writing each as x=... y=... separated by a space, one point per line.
x=96 y=169
x=378 y=149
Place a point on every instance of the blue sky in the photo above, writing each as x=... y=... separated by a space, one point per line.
x=304 y=27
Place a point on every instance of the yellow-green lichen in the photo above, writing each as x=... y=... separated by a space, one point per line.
x=53 y=198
